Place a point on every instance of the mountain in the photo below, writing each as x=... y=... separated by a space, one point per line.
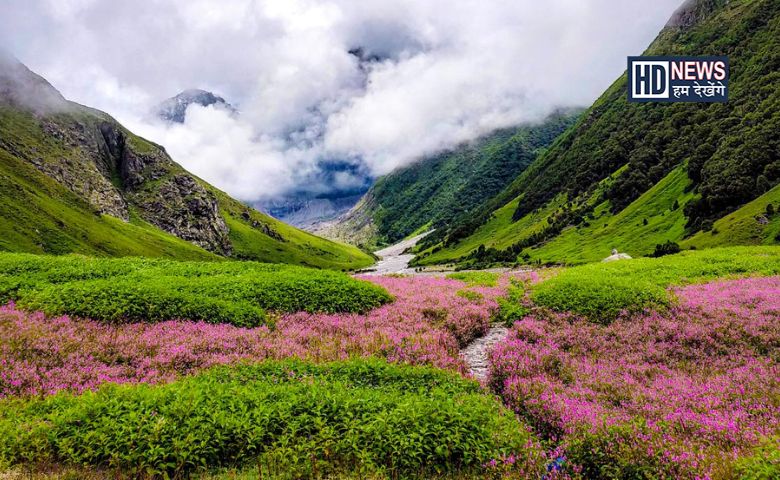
x=437 y=189
x=310 y=213
x=632 y=176
x=72 y=179
x=174 y=109
x=322 y=194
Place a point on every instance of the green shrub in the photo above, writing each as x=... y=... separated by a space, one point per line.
x=484 y=279
x=599 y=298
x=128 y=301
x=136 y=289
x=471 y=295
x=289 y=418
x=763 y=464
x=512 y=307
x=668 y=248
x=601 y=291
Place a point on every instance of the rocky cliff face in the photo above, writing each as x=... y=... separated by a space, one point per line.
x=163 y=193
x=356 y=226
x=691 y=12
x=309 y=213
x=92 y=155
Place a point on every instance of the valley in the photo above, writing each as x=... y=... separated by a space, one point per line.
x=395 y=259
x=437 y=299
x=75 y=180
x=618 y=175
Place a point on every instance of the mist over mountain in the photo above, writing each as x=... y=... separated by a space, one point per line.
x=174 y=109
x=332 y=189
x=639 y=177
x=379 y=84
x=73 y=179
x=431 y=193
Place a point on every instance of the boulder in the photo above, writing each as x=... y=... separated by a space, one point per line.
x=617 y=256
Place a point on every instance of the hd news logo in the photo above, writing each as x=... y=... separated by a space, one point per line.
x=678 y=79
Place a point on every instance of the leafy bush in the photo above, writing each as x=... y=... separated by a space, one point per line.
x=764 y=464
x=617 y=452
x=513 y=306
x=130 y=301
x=135 y=289
x=485 y=279
x=602 y=291
x=668 y=248
x=290 y=419
x=600 y=298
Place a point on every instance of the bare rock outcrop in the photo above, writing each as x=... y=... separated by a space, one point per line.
x=691 y=12
x=115 y=172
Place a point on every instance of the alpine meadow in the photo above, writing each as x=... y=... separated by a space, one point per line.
x=336 y=239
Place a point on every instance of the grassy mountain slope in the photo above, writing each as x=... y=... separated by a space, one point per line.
x=623 y=165
x=38 y=215
x=753 y=224
x=256 y=236
x=75 y=180
x=599 y=232
x=440 y=188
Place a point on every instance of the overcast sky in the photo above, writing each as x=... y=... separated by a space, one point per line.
x=433 y=73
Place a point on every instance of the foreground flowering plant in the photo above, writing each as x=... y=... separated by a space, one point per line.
x=426 y=324
x=681 y=392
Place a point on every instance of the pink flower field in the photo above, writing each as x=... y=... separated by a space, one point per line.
x=683 y=392
x=426 y=324
x=678 y=391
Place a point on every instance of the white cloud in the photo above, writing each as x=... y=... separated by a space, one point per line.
x=446 y=71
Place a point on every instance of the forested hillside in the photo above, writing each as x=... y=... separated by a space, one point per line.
x=432 y=192
x=631 y=176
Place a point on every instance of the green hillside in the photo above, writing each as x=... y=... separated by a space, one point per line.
x=757 y=223
x=436 y=190
x=630 y=176
x=256 y=236
x=73 y=180
x=38 y=215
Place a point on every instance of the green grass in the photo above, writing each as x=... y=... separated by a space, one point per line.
x=139 y=289
x=40 y=215
x=499 y=232
x=744 y=226
x=483 y=279
x=289 y=419
x=258 y=237
x=602 y=291
x=626 y=230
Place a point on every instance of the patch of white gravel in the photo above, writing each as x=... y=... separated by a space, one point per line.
x=393 y=260
x=476 y=353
